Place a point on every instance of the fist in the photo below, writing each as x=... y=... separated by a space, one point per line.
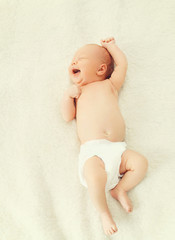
x=74 y=91
x=108 y=41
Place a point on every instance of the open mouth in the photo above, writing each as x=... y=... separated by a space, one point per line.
x=76 y=71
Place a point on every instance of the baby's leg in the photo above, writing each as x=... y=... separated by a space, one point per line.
x=133 y=166
x=96 y=177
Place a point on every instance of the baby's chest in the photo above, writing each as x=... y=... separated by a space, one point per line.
x=97 y=96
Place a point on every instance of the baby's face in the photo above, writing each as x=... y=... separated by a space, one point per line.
x=84 y=66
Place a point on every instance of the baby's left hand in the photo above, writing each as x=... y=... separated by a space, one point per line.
x=108 y=41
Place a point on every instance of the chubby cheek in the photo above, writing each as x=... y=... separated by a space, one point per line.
x=90 y=70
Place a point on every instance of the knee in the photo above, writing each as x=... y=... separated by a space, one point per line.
x=142 y=164
x=134 y=160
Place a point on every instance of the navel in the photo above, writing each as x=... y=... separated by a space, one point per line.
x=106 y=132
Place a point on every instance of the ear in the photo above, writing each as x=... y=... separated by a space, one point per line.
x=102 y=69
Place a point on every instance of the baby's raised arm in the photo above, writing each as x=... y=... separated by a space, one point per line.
x=68 y=108
x=118 y=76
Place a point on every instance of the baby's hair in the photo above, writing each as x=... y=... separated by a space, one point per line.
x=110 y=66
x=106 y=58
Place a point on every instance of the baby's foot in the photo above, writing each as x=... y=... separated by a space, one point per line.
x=108 y=223
x=122 y=197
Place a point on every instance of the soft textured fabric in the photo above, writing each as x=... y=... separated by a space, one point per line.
x=109 y=152
x=41 y=197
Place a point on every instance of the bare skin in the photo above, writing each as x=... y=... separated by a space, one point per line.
x=93 y=101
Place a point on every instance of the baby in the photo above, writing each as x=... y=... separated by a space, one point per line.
x=104 y=162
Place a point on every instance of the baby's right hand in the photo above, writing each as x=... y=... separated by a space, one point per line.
x=74 y=91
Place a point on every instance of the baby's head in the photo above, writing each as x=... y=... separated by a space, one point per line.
x=90 y=63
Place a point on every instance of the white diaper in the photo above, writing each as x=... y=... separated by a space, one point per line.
x=109 y=152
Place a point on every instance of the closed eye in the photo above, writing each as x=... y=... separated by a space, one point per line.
x=75 y=60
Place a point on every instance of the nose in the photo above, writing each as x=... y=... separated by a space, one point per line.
x=74 y=62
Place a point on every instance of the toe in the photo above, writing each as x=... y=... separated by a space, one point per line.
x=115 y=228
x=129 y=209
x=110 y=232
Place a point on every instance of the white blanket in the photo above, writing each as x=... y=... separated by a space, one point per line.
x=40 y=194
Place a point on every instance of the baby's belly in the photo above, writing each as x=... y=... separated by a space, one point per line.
x=100 y=123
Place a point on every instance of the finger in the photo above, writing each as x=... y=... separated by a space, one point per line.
x=110 y=39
